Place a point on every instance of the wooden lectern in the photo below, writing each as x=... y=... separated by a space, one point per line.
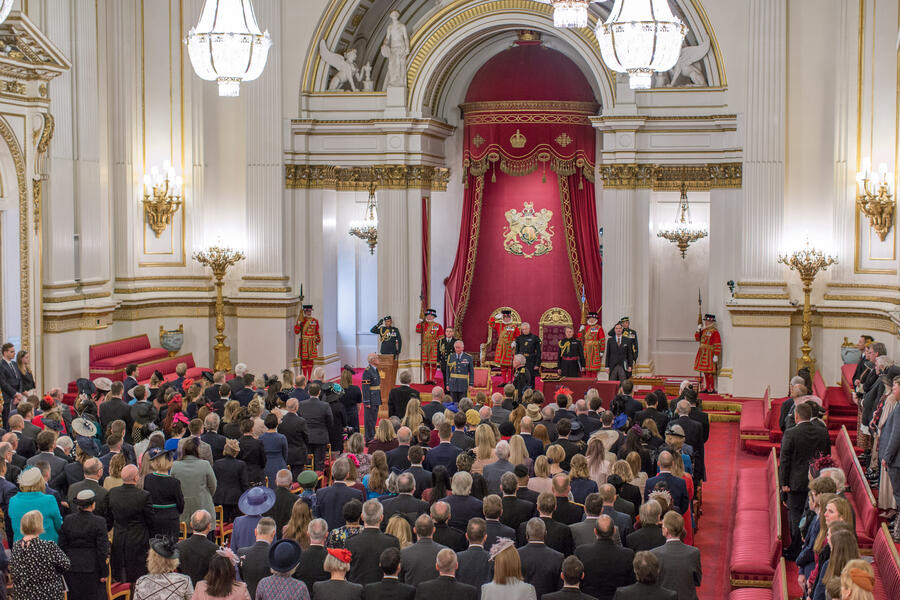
x=387 y=369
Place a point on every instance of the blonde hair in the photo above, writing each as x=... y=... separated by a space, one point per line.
x=556 y=454
x=157 y=565
x=40 y=486
x=541 y=466
x=623 y=470
x=255 y=407
x=378 y=472
x=518 y=452
x=578 y=467
x=399 y=528
x=231 y=408
x=634 y=461
x=163 y=462
x=32 y=523
x=507 y=566
x=333 y=564
x=414 y=415
x=484 y=441
x=847 y=583
x=385 y=431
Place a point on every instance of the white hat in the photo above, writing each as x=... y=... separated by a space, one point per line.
x=30 y=477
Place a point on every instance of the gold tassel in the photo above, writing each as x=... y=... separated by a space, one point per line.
x=494 y=173
x=580 y=183
x=544 y=176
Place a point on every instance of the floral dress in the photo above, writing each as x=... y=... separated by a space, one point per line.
x=36 y=567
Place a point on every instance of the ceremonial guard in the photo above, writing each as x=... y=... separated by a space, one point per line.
x=444 y=350
x=431 y=332
x=594 y=342
x=506 y=332
x=571 y=355
x=529 y=346
x=629 y=334
x=524 y=378
x=461 y=368
x=391 y=342
x=707 y=360
x=308 y=329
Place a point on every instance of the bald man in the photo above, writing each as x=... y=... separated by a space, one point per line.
x=130 y=514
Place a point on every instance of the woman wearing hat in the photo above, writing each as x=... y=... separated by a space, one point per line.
x=161 y=581
x=84 y=540
x=165 y=494
x=198 y=482
x=31 y=496
x=36 y=565
x=284 y=557
x=508 y=583
x=337 y=563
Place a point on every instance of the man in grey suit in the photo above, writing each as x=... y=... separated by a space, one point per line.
x=646 y=570
x=679 y=564
x=93 y=469
x=498 y=413
x=319 y=420
x=889 y=453
x=418 y=560
x=540 y=564
x=622 y=521
x=371 y=396
x=474 y=563
x=583 y=532
x=495 y=470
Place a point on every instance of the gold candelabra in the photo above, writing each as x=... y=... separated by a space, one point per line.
x=874 y=198
x=219 y=258
x=683 y=232
x=807 y=262
x=367 y=230
x=162 y=197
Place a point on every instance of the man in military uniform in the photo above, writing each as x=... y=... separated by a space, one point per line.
x=594 y=342
x=461 y=369
x=444 y=350
x=371 y=395
x=629 y=334
x=529 y=346
x=571 y=355
x=523 y=379
x=707 y=359
x=431 y=332
x=391 y=342
x=308 y=328
x=506 y=332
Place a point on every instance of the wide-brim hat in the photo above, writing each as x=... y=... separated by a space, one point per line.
x=507 y=429
x=284 y=555
x=30 y=476
x=52 y=424
x=577 y=431
x=308 y=478
x=87 y=445
x=143 y=412
x=153 y=453
x=207 y=375
x=104 y=384
x=256 y=500
x=533 y=411
x=84 y=427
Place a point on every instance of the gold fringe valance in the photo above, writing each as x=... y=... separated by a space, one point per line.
x=518 y=167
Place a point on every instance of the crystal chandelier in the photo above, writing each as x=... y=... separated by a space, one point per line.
x=367 y=229
x=5 y=7
x=227 y=45
x=683 y=232
x=569 y=13
x=640 y=37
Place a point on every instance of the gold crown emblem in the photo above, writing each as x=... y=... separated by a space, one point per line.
x=517 y=140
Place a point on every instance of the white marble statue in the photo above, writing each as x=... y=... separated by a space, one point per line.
x=368 y=84
x=687 y=65
x=396 y=49
x=345 y=65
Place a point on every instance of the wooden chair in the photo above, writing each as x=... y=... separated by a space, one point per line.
x=486 y=350
x=481 y=382
x=551 y=329
x=223 y=530
x=183 y=531
x=118 y=589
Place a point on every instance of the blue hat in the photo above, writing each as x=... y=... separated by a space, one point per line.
x=155 y=452
x=284 y=555
x=256 y=500
x=87 y=445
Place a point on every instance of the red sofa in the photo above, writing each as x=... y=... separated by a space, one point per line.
x=167 y=365
x=756 y=545
x=109 y=359
x=754 y=418
x=859 y=493
x=779 y=589
x=886 y=564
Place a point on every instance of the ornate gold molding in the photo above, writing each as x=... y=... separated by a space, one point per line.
x=77 y=321
x=9 y=137
x=742 y=296
x=668 y=178
x=165 y=288
x=589 y=108
x=75 y=297
x=264 y=290
x=861 y=298
x=394 y=177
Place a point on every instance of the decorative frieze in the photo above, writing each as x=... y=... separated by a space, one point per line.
x=394 y=177
x=668 y=178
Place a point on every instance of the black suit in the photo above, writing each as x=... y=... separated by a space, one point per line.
x=449 y=536
x=523 y=493
x=558 y=536
x=216 y=443
x=800 y=444
x=331 y=502
x=475 y=568
x=254 y=565
x=10 y=385
x=429 y=410
x=643 y=591
x=319 y=420
x=404 y=504
x=293 y=427
x=646 y=538
x=569 y=594
x=660 y=418
x=389 y=588
x=619 y=358
x=398 y=398
x=422 y=477
x=617 y=568
x=232 y=480
x=254 y=457
x=311 y=566
x=495 y=530
x=463 y=508
x=194 y=554
x=541 y=566
x=366 y=548
x=281 y=510
x=445 y=587
x=516 y=511
x=567 y=512
x=114 y=409
x=83 y=538
x=693 y=436
x=462 y=440
x=26 y=446
x=398 y=459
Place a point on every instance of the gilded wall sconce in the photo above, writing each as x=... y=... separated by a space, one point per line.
x=874 y=198
x=162 y=197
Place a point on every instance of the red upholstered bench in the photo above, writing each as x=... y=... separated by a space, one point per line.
x=887 y=565
x=167 y=365
x=847 y=372
x=756 y=545
x=779 y=589
x=754 y=416
x=109 y=359
x=860 y=494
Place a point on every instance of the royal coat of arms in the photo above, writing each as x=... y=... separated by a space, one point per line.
x=528 y=233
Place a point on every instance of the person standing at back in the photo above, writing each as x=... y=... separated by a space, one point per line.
x=679 y=564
